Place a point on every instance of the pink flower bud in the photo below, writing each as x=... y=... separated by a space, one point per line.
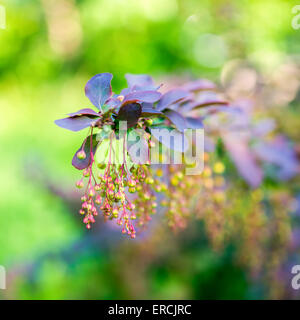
x=79 y=184
x=98 y=199
x=81 y=155
x=91 y=192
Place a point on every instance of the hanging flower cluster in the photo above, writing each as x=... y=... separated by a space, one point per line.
x=111 y=173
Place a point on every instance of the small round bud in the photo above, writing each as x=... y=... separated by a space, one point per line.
x=130 y=206
x=81 y=155
x=158 y=188
x=115 y=213
x=91 y=219
x=131 y=183
x=84 y=205
x=110 y=192
x=118 y=196
x=149 y=122
x=147 y=196
x=91 y=192
x=163 y=187
x=97 y=187
x=149 y=180
x=154 y=205
x=219 y=167
x=125 y=216
x=132 y=189
x=98 y=199
x=79 y=184
x=111 y=186
x=179 y=175
x=86 y=172
x=101 y=165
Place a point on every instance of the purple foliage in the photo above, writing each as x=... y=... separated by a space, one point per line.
x=139 y=81
x=76 y=123
x=171 y=97
x=98 y=89
x=243 y=159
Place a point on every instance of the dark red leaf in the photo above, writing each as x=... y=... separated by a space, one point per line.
x=130 y=112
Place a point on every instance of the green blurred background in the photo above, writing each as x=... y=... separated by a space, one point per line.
x=48 y=51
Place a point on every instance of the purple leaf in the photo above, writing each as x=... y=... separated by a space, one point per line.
x=98 y=89
x=198 y=85
x=84 y=112
x=177 y=119
x=76 y=123
x=194 y=123
x=197 y=105
x=263 y=127
x=243 y=159
x=125 y=91
x=81 y=164
x=234 y=111
x=113 y=103
x=210 y=103
x=130 y=112
x=149 y=111
x=139 y=80
x=279 y=153
x=143 y=96
x=171 y=97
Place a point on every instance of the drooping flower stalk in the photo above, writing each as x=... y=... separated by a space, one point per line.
x=109 y=191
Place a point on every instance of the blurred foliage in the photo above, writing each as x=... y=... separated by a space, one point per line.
x=49 y=50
